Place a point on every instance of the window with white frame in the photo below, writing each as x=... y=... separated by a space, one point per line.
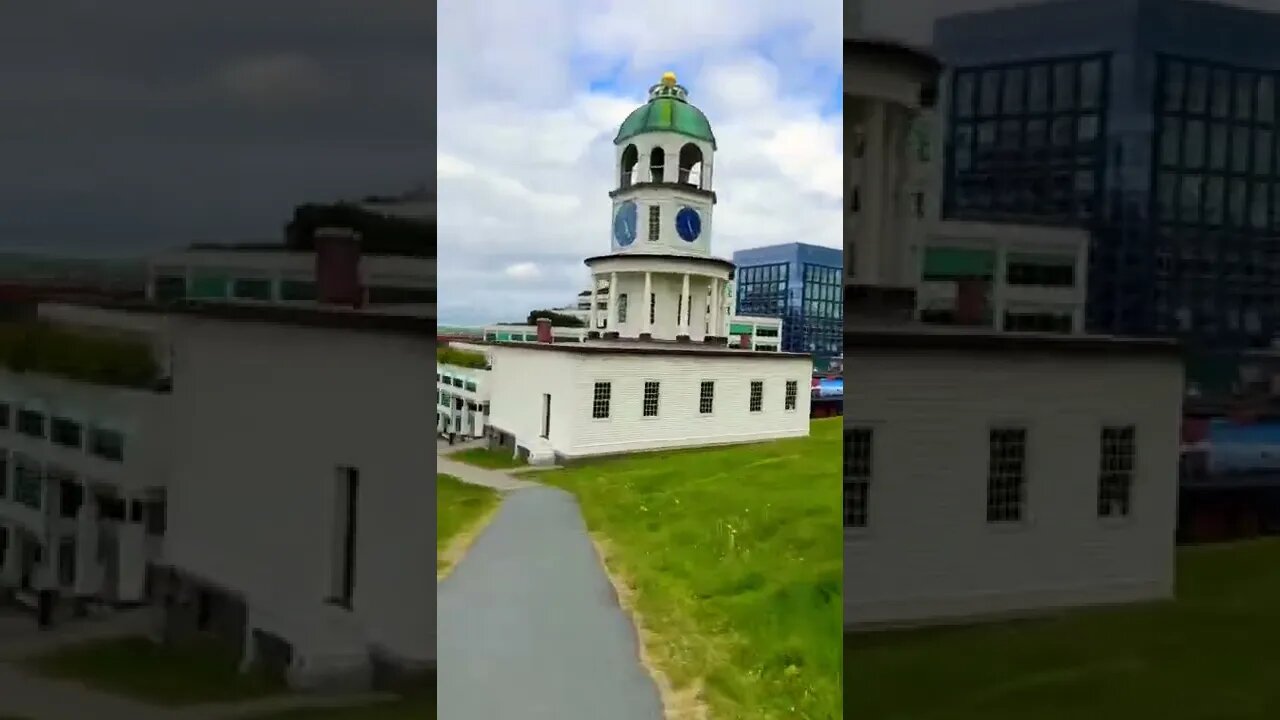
x=600 y=397
x=655 y=222
x=757 y=395
x=793 y=390
x=622 y=308
x=1006 y=474
x=1115 y=471
x=651 y=398
x=706 y=397
x=857 y=476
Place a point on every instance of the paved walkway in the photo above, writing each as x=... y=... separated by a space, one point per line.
x=530 y=626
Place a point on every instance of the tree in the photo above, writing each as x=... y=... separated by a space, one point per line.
x=379 y=234
x=557 y=319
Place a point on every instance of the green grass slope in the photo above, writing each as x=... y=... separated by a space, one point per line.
x=735 y=558
x=1212 y=653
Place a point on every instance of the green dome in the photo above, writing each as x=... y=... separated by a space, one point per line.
x=668 y=110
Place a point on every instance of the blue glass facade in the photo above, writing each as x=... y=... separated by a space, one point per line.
x=803 y=285
x=1128 y=118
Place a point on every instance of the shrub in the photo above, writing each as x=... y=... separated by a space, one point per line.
x=43 y=348
x=446 y=355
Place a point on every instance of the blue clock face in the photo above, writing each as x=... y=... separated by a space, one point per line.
x=688 y=224
x=624 y=224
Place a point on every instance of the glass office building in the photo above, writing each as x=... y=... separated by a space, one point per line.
x=803 y=285
x=1127 y=118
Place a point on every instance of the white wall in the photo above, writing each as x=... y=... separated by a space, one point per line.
x=570 y=379
x=928 y=551
x=264 y=414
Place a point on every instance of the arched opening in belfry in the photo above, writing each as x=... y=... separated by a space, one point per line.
x=691 y=165
x=627 y=168
x=657 y=159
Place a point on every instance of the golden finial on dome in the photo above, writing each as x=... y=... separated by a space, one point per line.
x=668 y=78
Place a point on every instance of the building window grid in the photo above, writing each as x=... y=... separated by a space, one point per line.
x=651 y=394
x=1078 y=167
x=789 y=401
x=756 y=403
x=655 y=222
x=1235 y=192
x=857 y=476
x=1006 y=475
x=1115 y=472
x=600 y=397
x=706 y=397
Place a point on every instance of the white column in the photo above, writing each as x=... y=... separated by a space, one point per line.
x=646 y=327
x=714 y=312
x=88 y=570
x=998 y=286
x=131 y=541
x=591 y=317
x=611 y=320
x=686 y=307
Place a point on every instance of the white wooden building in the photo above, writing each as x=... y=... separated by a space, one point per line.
x=302 y=488
x=576 y=400
x=991 y=474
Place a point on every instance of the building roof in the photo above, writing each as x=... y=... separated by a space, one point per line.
x=668 y=110
x=314 y=317
x=928 y=337
x=625 y=346
x=882 y=49
x=707 y=259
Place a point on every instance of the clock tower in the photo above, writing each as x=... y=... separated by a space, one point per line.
x=664 y=284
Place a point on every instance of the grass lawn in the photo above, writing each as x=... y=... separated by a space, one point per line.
x=1212 y=653
x=172 y=676
x=419 y=705
x=460 y=507
x=486 y=458
x=735 y=557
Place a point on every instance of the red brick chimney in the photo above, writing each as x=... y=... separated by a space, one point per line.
x=744 y=341
x=338 y=267
x=971 y=302
x=544 y=330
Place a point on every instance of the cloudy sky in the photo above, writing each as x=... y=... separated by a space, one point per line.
x=531 y=94
x=134 y=125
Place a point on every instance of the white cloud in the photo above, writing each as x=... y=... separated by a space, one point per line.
x=523 y=271
x=525 y=142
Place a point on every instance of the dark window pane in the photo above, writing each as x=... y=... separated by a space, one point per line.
x=65 y=431
x=1193 y=145
x=297 y=290
x=1221 y=88
x=964 y=94
x=251 y=289
x=1244 y=96
x=1266 y=99
x=989 y=99
x=1038 y=88
x=1064 y=86
x=1014 y=90
x=1262 y=152
x=31 y=423
x=1213 y=200
x=1197 y=88
x=1175 y=82
x=1090 y=84
x=1087 y=128
x=1218 y=146
x=1241 y=148
x=1170 y=140
x=170 y=288
x=1166 y=187
x=1237 y=202
x=1190 y=192
x=400 y=295
x=1258 y=206
x=107 y=444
